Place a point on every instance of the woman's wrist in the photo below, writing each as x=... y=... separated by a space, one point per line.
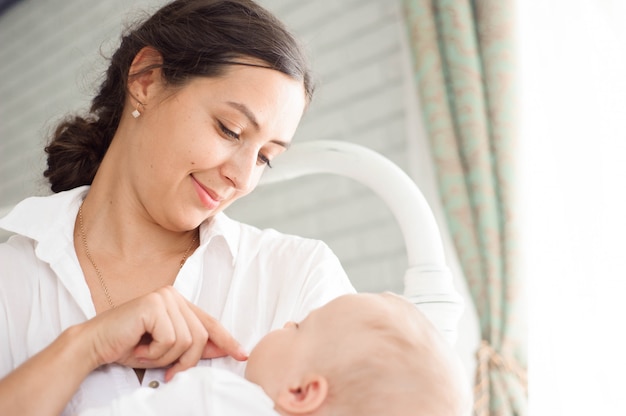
x=77 y=345
x=70 y=356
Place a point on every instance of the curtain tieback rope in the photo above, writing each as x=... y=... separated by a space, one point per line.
x=488 y=357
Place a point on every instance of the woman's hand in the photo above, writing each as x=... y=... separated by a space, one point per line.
x=159 y=329
x=180 y=333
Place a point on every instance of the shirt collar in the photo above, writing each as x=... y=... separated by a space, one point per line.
x=221 y=226
x=49 y=220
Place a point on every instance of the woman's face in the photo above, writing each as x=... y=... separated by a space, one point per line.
x=197 y=149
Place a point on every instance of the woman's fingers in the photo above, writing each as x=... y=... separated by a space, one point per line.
x=163 y=328
x=189 y=351
x=160 y=329
x=210 y=328
x=220 y=343
x=174 y=333
x=213 y=351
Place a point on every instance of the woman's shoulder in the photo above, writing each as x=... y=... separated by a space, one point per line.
x=270 y=238
x=39 y=216
x=18 y=271
x=17 y=250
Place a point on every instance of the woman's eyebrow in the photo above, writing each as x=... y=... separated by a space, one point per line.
x=243 y=109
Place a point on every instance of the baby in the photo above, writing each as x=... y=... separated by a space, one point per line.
x=360 y=354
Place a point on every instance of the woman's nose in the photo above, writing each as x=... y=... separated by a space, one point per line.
x=241 y=168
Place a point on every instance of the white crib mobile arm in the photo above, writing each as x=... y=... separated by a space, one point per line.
x=427 y=281
x=387 y=180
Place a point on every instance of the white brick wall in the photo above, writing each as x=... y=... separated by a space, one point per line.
x=50 y=64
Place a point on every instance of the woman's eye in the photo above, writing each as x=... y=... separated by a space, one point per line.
x=231 y=134
x=264 y=160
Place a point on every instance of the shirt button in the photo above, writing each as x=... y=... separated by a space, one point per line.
x=153 y=384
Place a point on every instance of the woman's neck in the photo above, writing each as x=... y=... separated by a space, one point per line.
x=117 y=222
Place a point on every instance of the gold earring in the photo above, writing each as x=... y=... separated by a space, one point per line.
x=136 y=113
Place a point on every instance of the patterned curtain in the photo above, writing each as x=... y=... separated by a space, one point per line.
x=464 y=67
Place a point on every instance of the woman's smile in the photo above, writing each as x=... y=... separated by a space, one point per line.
x=208 y=198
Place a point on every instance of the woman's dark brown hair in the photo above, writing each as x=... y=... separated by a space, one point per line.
x=195 y=38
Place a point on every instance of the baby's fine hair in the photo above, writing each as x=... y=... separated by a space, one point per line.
x=195 y=38
x=407 y=368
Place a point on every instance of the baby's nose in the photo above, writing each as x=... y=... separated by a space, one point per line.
x=289 y=324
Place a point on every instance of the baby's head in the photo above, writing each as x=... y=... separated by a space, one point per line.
x=359 y=354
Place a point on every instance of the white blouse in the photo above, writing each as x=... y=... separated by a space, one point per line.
x=194 y=392
x=252 y=280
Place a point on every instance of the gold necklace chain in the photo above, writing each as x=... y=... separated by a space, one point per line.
x=93 y=263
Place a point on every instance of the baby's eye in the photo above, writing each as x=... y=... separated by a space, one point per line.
x=231 y=134
x=264 y=160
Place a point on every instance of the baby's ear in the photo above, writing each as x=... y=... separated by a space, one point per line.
x=305 y=397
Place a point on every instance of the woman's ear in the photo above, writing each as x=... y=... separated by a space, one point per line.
x=306 y=397
x=144 y=73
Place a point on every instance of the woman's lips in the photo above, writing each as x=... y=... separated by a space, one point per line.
x=207 y=197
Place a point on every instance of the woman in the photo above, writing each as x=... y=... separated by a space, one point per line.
x=130 y=273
